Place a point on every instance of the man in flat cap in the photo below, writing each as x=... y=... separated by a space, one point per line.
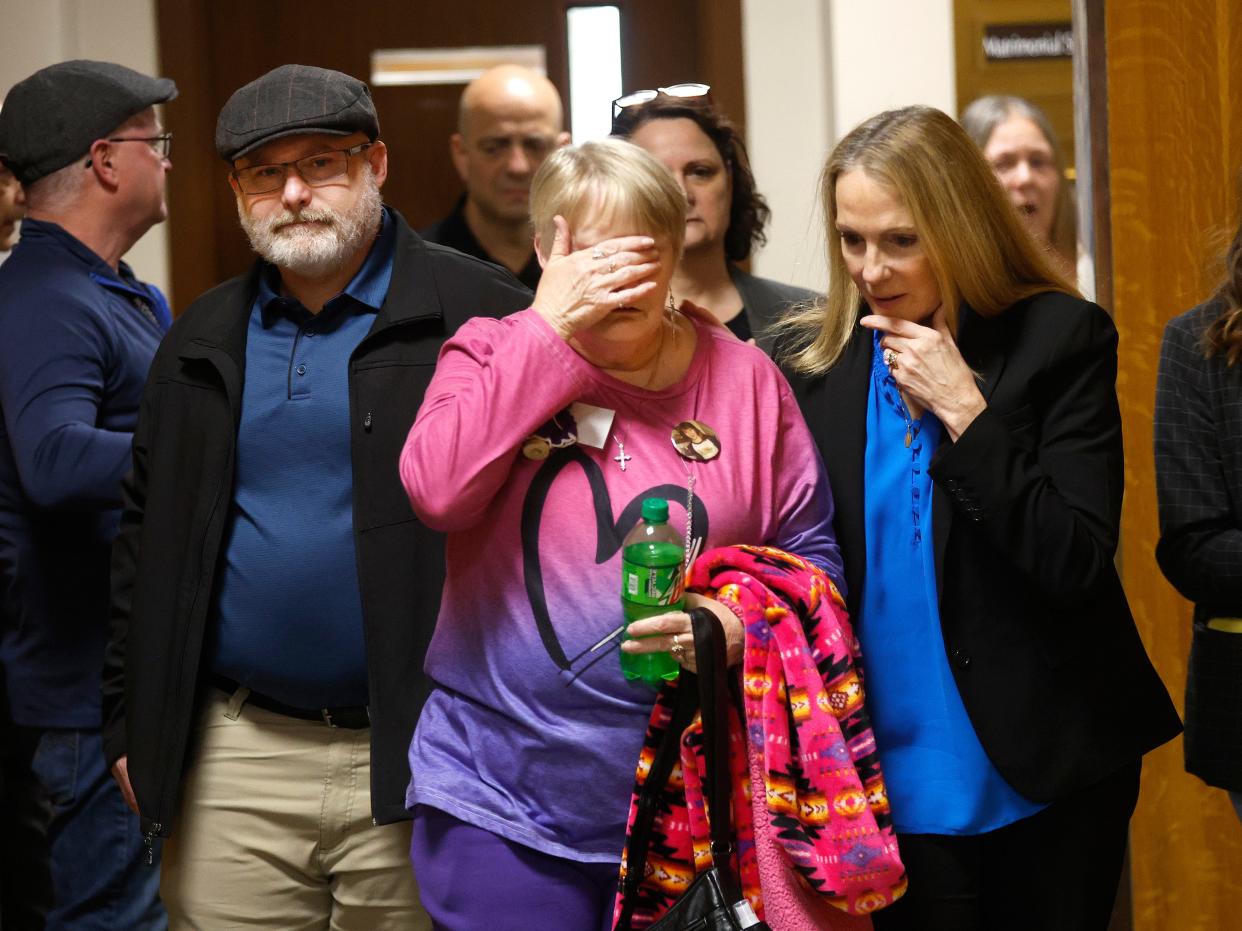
x=508 y=121
x=273 y=592
x=79 y=332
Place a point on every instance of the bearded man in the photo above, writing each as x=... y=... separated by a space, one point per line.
x=273 y=593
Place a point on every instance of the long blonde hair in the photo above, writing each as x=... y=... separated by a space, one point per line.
x=977 y=247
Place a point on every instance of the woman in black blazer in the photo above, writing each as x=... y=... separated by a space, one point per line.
x=1199 y=486
x=963 y=399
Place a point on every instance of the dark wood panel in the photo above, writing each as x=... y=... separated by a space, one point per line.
x=212 y=47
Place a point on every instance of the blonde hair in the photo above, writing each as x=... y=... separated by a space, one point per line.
x=980 y=120
x=607 y=178
x=975 y=243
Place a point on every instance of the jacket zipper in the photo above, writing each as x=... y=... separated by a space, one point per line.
x=149 y=839
x=159 y=824
x=180 y=725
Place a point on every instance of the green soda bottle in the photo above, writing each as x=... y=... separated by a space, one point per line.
x=651 y=583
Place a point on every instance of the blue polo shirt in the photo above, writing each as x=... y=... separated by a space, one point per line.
x=76 y=340
x=288 y=609
x=939 y=778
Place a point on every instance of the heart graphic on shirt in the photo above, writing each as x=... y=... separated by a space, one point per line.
x=609 y=535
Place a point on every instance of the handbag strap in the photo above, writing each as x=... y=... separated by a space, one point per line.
x=712 y=698
x=648 y=804
x=711 y=659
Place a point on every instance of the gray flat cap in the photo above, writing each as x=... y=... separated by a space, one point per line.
x=290 y=100
x=50 y=119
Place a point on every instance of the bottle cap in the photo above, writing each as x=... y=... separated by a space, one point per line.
x=655 y=510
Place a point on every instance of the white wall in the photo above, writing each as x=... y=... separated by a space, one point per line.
x=814 y=69
x=37 y=33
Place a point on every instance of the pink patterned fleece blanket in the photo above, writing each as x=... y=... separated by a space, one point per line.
x=815 y=840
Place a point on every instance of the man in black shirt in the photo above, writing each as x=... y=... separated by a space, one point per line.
x=510 y=118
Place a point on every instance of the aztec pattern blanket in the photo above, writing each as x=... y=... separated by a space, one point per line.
x=806 y=722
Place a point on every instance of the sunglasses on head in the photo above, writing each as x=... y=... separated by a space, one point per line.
x=635 y=98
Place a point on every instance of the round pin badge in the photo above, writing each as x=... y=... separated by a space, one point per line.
x=695 y=440
x=536 y=447
x=557 y=433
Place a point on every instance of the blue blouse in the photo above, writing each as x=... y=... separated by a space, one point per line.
x=939 y=779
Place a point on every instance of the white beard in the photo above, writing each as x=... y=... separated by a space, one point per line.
x=319 y=250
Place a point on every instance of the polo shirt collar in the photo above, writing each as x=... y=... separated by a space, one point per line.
x=37 y=232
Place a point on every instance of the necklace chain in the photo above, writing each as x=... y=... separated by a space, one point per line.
x=688 y=547
x=687 y=554
x=622 y=458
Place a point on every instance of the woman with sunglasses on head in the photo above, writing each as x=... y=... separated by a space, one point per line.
x=725 y=215
x=963 y=397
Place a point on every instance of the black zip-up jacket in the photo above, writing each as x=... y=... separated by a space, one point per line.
x=176 y=502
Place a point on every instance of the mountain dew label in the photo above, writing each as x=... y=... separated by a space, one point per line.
x=651 y=574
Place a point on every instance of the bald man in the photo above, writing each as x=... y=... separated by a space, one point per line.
x=509 y=119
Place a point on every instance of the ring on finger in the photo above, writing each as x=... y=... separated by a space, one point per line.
x=597 y=253
x=890 y=359
x=612 y=267
x=677 y=649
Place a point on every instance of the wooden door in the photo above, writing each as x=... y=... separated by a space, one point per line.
x=1172 y=129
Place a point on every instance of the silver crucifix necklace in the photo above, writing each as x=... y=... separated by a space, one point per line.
x=621 y=457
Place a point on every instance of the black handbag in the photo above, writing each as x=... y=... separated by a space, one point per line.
x=714 y=901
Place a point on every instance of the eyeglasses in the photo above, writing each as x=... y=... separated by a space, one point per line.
x=313 y=169
x=635 y=98
x=162 y=144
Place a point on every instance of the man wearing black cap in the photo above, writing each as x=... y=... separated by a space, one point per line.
x=80 y=330
x=273 y=592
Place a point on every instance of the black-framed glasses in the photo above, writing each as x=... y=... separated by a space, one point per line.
x=162 y=144
x=317 y=169
x=635 y=98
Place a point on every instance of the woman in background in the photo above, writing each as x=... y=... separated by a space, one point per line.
x=1020 y=144
x=963 y=398
x=1199 y=488
x=725 y=215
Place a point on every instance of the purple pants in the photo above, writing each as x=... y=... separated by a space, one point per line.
x=470 y=879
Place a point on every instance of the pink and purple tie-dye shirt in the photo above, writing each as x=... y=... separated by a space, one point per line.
x=528 y=733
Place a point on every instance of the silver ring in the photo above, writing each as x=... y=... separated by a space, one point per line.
x=890 y=359
x=612 y=267
x=597 y=253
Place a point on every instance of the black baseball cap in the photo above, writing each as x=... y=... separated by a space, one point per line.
x=50 y=119
x=291 y=100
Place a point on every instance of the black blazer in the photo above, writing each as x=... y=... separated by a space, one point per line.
x=1026 y=510
x=764 y=301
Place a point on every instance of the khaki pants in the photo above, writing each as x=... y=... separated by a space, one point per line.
x=275 y=830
